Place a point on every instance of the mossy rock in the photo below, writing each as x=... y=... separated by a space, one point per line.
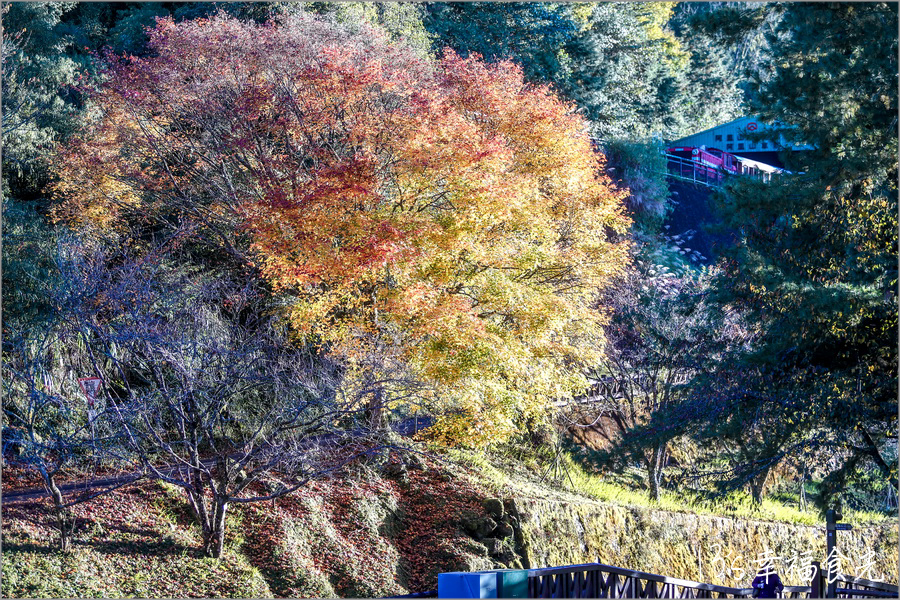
x=503 y=530
x=495 y=546
x=446 y=561
x=488 y=526
x=414 y=463
x=395 y=471
x=393 y=524
x=477 y=526
x=493 y=507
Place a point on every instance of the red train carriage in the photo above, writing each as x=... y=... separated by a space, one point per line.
x=711 y=164
x=712 y=161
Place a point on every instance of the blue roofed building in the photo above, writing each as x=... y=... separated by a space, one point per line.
x=732 y=137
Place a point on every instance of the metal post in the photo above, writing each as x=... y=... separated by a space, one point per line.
x=816 y=583
x=832 y=516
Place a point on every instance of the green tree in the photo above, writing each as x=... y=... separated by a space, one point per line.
x=128 y=35
x=711 y=84
x=630 y=72
x=37 y=77
x=37 y=111
x=640 y=168
x=736 y=32
x=400 y=21
x=619 y=62
x=534 y=35
x=660 y=338
x=749 y=419
x=816 y=267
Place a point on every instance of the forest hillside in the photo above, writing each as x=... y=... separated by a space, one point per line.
x=271 y=269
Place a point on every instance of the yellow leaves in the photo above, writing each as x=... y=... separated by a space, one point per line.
x=448 y=210
x=491 y=410
x=97 y=200
x=654 y=17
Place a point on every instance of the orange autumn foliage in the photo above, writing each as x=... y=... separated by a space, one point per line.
x=444 y=207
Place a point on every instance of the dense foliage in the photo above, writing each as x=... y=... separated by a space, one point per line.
x=817 y=266
x=450 y=209
x=446 y=209
x=620 y=62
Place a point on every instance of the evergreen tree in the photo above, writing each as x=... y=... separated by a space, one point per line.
x=618 y=62
x=534 y=35
x=38 y=73
x=39 y=108
x=816 y=268
x=712 y=92
x=737 y=34
x=625 y=67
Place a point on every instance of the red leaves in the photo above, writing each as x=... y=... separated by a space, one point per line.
x=380 y=191
x=433 y=506
x=336 y=533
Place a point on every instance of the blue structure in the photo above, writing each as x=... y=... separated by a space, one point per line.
x=498 y=583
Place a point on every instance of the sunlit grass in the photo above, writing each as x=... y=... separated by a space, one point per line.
x=135 y=543
x=625 y=489
x=733 y=505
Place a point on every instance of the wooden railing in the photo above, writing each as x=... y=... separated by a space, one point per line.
x=857 y=587
x=596 y=580
x=611 y=388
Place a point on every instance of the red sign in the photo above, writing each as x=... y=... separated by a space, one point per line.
x=91 y=388
x=751 y=126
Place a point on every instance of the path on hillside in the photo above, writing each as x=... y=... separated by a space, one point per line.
x=32 y=494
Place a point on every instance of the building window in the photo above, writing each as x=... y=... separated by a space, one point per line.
x=765 y=145
x=730 y=137
x=740 y=136
x=729 y=146
x=752 y=145
x=719 y=137
x=740 y=146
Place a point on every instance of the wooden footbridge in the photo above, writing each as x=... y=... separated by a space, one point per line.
x=596 y=580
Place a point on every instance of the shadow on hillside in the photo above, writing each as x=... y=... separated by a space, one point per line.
x=694 y=211
x=126 y=529
x=164 y=547
x=39 y=516
x=11 y=547
x=123 y=547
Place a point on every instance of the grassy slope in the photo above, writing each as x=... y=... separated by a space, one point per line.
x=130 y=543
x=361 y=536
x=511 y=478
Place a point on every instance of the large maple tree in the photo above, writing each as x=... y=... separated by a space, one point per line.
x=442 y=211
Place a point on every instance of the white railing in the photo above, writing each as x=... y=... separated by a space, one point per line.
x=686 y=169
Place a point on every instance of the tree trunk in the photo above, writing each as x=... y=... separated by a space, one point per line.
x=758 y=485
x=654 y=470
x=803 y=489
x=210 y=513
x=375 y=410
x=654 y=484
x=214 y=537
x=65 y=518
